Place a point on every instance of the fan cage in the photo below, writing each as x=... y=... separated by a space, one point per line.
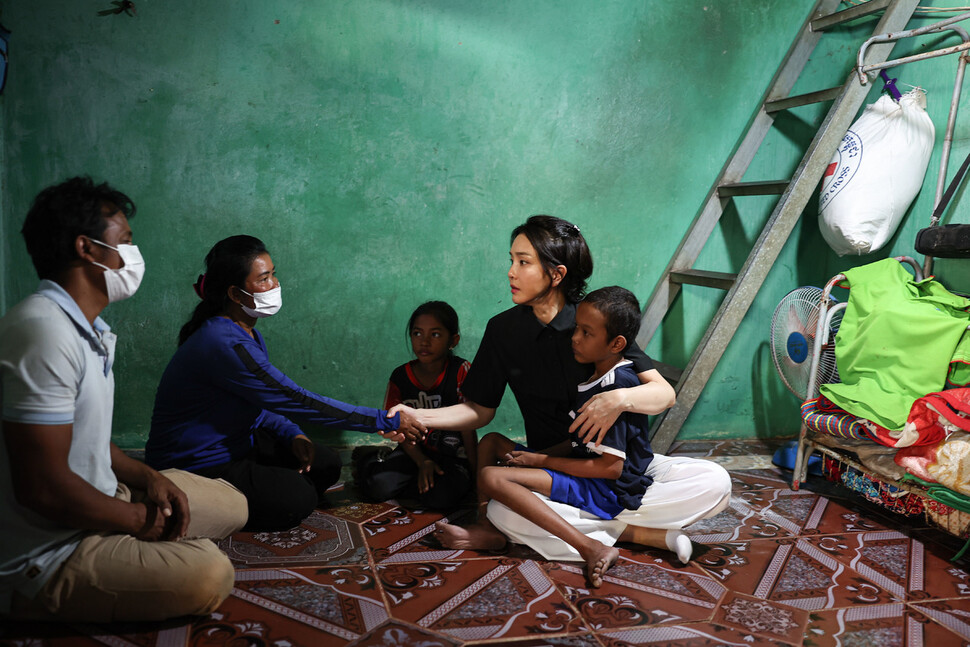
x=794 y=325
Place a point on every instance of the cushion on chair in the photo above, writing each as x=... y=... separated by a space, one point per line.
x=834 y=423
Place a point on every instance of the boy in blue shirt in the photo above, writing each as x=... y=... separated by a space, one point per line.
x=603 y=480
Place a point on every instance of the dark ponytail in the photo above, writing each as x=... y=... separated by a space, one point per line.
x=228 y=263
x=558 y=242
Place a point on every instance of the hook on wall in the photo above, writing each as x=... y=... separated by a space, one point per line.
x=120 y=6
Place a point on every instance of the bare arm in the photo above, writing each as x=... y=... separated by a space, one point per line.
x=414 y=452
x=470 y=440
x=427 y=467
x=595 y=418
x=605 y=466
x=466 y=416
x=44 y=483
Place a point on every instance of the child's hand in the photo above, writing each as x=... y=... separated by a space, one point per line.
x=426 y=475
x=517 y=458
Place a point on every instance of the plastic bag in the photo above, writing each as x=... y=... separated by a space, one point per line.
x=876 y=173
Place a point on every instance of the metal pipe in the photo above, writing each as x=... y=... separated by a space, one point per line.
x=910 y=59
x=909 y=260
x=945 y=153
x=947 y=145
x=948 y=134
x=890 y=37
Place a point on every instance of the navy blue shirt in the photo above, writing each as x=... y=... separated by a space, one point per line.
x=219 y=386
x=536 y=361
x=628 y=438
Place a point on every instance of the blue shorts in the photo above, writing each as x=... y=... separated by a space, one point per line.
x=593 y=495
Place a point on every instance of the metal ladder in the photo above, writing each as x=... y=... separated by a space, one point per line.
x=795 y=194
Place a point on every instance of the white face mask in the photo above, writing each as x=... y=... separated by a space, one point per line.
x=267 y=303
x=124 y=281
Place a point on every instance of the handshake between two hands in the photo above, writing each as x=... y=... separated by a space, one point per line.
x=591 y=423
x=409 y=429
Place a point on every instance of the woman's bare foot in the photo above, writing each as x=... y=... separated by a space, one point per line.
x=600 y=560
x=478 y=536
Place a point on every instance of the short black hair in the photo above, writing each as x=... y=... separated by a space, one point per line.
x=62 y=212
x=558 y=242
x=620 y=308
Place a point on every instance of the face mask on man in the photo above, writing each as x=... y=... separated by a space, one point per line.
x=124 y=281
x=267 y=303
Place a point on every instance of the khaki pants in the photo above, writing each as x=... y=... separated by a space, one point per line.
x=115 y=577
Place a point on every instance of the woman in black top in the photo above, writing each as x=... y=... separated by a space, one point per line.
x=528 y=348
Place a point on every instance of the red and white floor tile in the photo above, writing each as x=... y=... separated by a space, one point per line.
x=779 y=567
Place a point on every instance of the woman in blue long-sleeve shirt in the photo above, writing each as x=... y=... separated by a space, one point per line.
x=222 y=410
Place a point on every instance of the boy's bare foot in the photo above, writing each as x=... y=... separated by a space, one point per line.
x=478 y=536
x=600 y=561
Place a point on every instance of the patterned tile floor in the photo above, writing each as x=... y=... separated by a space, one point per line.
x=813 y=567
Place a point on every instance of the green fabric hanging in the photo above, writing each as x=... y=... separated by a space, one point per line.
x=960 y=363
x=895 y=342
x=941 y=493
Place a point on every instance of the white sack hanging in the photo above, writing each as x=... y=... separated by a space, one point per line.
x=876 y=173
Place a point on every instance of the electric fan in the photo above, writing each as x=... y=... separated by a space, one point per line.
x=793 y=328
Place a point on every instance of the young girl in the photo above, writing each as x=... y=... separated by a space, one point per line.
x=439 y=471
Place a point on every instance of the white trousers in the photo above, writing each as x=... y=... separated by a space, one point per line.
x=684 y=490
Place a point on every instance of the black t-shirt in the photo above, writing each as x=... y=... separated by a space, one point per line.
x=405 y=387
x=536 y=361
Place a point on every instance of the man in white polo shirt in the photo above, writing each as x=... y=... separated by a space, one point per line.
x=86 y=532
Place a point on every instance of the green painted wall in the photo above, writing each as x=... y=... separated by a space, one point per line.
x=745 y=388
x=384 y=150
